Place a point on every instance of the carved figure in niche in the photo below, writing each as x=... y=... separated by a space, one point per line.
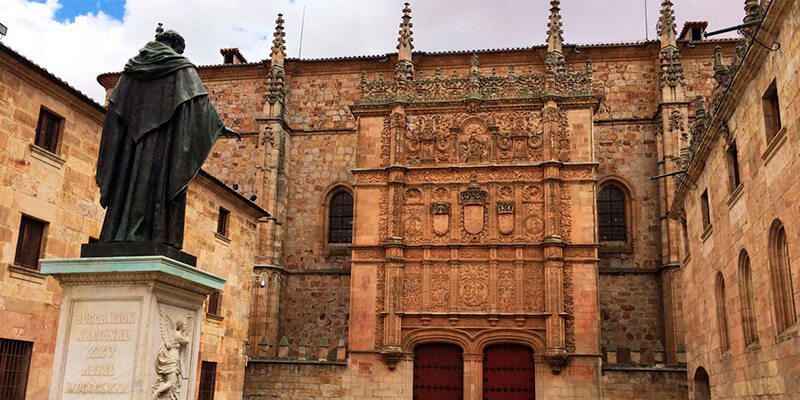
x=427 y=140
x=474 y=145
x=441 y=218
x=174 y=338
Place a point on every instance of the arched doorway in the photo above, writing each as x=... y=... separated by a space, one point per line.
x=438 y=372
x=508 y=373
x=702 y=385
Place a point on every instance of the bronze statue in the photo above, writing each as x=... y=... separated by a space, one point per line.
x=158 y=130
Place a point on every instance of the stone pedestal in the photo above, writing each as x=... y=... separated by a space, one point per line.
x=128 y=327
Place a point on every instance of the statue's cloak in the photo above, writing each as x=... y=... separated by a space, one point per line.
x=158 y=131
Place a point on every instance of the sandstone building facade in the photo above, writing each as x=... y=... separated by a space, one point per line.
x=415 y=225
x=738 y=203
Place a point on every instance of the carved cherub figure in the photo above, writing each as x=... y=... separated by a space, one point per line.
x=174 y=338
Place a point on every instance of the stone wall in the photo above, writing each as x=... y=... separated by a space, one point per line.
x=223 y=337
x=56 y=188
x=741 y=220
x=639 y=383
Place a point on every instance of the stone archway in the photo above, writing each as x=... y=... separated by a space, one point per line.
x=701 y=384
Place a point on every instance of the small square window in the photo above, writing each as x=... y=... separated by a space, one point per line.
x=214 y=303
x=29 y=242
x=222 y=221
x=705 y=209
x=772 y=114
x=48 y=130
x=732 y=155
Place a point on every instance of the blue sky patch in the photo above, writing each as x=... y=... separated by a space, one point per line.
x=73 y=8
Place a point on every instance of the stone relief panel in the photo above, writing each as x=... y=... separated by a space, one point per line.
x=533 y=287
x=412 y=288
x=440 y=287
x=506 y=289
x=498 y=137
x=473 y=286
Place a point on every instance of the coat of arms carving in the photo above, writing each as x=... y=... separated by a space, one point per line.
x=505 y=217
x=473 y=201
x=441 y=218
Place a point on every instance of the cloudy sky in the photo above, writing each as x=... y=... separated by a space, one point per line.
x=79 y=39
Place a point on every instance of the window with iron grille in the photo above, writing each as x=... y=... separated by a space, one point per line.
x=29 y=242
x=15 y=359
x=611 y=219
x=214 y=302
x=222 y=221
x=208 y=380
x=340 y=218
x=48 y=130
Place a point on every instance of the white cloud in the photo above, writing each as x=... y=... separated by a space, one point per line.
x=79 y=50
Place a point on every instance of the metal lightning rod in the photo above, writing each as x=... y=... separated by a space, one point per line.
x=302 y=27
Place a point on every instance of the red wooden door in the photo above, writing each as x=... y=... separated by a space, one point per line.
x=438 y=372
x=508 y=373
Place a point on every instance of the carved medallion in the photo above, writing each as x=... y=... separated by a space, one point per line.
x=505 y=217
x=441 y=218
x=474 y=289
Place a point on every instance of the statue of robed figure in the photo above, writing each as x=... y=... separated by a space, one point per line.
x=158 y=130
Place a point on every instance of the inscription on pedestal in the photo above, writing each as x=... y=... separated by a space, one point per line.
x=102 y=343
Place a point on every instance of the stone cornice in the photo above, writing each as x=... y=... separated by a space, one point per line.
x=754 y=58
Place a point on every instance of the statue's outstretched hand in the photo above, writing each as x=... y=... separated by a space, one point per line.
x=227 y=132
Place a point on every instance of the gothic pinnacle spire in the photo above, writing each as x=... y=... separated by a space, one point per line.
x=555 y=35
x=278 y=44
x=666 y=25
x=405 y=68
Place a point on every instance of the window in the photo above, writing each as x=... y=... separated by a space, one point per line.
x=772 y=114
x=685 y=230
x=228 y=58
x=732 y=155
x=222 y=221
x=705 y=209
x=340 y=218
x=612 y=225
x=781 y=278
x=29 y=243
x=702 y=385
x=722 y=315
x=208 y=380
x=748 y=302
x=48 y=130
x=15 y=358
x=697 y=34
x=214 y=303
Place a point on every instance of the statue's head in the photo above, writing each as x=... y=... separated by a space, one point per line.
x=179 y=325
x=172 y=39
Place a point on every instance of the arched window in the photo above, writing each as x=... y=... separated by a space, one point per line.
x=722 y=315
x=781 y=278
x=748 y=302
x=611 y=218
x=340 y=218
x=702 y=385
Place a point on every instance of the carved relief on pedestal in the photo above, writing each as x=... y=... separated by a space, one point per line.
x=171 y=361
x=473 y=286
